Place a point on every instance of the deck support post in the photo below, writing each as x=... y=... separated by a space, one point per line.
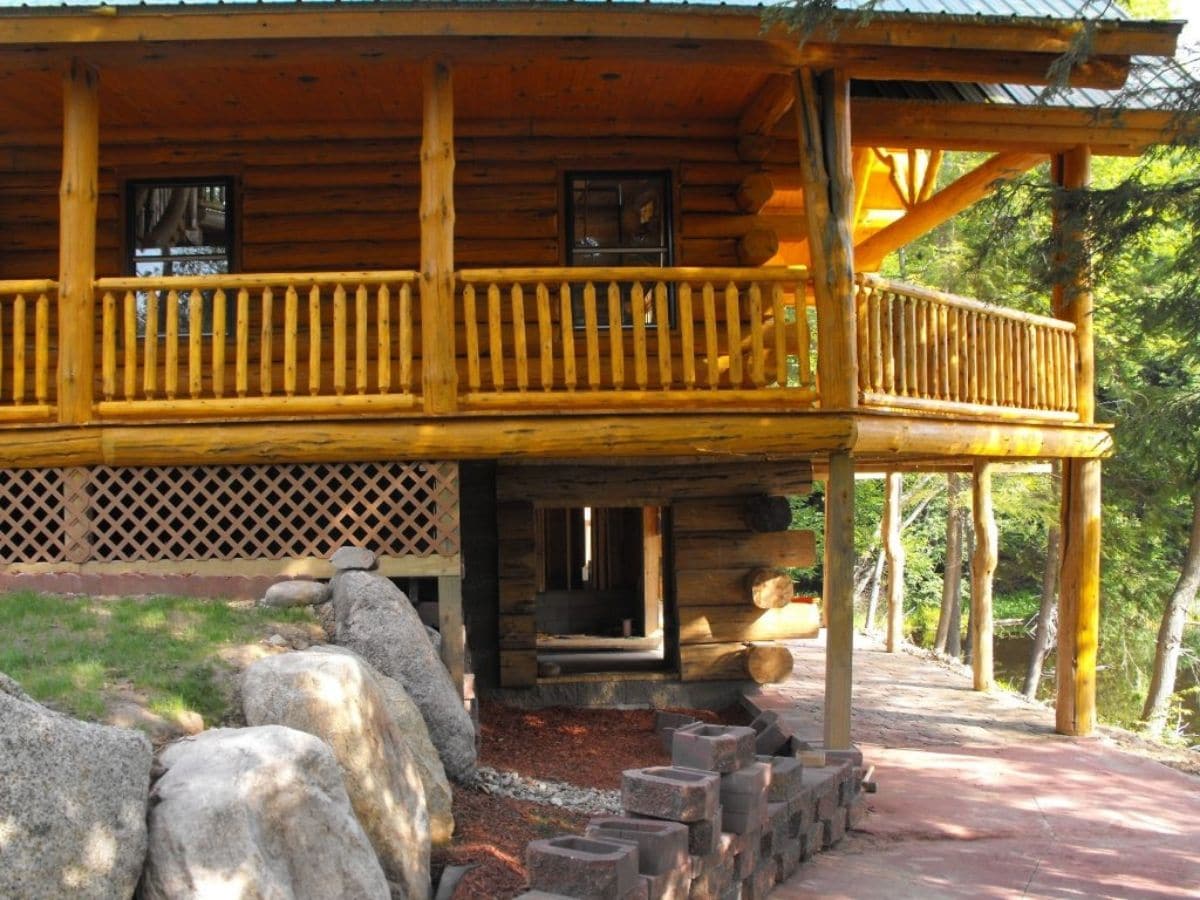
x=983 y=567
x=450 y=626
x=77 y=242
x=894 y=554
x=1079 y=590
x=826 y=172
x=838 y=599
x=439 y=377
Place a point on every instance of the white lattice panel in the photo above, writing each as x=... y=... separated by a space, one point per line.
x=229 y=512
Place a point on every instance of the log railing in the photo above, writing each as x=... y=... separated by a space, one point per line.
x=925 y=350
x=26 y=374
x=574 y=337
x=257 y=344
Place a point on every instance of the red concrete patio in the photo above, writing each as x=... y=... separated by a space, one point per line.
x=979 y=798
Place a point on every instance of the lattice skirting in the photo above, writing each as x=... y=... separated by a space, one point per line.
x=253 y=512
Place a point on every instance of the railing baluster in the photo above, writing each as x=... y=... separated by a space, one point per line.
x=405 y=338
x=687 y=336
x=912 y=347
x=339 y=340
x=875 y=361
x=314 y=340
x=708 y=296
x=495 y=337
x=472 y=329
x=291 y=331
x=361 y=363
x=862 y=334
x=195 y=343
x=171 y=350
x=803 y=337
x=758 y=374
x=591 y=330
x=129 y=302
x=242 y=361
x=567 y=316
x=108 y=347
x=923 y=351
x=777 y=317
x=383 y=340
x=638 y=304
x=545 y=337
x=662 y=316
x=19 y=349
x=520 y=350
x=616 y=336
x=1072 y=388
x=733 y=333
x=219 y=331
x=266 y=350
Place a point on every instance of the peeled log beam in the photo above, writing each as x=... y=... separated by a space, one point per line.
x=766 y=513
x=770 y=588
x=757 y=246
x=769 y=663
x=754 y=192
x=754 y=148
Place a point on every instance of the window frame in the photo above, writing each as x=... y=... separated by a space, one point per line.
x=131 y=183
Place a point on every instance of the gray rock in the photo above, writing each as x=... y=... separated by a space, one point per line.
x=72 y=802
x=256 y=812
x=435 y=638
x=374 y=619
x=353 y=559
x=336 y=697
x=295 y=592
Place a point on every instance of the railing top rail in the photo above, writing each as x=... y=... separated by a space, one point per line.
x=255 y=280
x=991 y=309
x=691 y=274
x=29 y=286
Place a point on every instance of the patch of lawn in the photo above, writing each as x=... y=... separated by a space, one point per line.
x=73 y=653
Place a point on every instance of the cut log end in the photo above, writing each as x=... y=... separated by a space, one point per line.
x=769 y=588
x=768 y=663
x=765 y=514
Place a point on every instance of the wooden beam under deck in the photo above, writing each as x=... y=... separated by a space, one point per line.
x=877 y=437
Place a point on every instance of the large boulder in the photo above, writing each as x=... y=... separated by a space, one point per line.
x=336 y=697
x=295 y=592
x=256 y=812
x=72 y=802
x=374 y=619
x=438 y=796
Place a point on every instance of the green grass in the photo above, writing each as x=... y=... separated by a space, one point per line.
x=72 y=653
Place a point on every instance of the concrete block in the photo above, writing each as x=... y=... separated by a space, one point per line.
x=541 y=895
x=713 y=884
x=662 y=845
x=771 y=740
x=641 y=890
x=715 y=748
x=853 y=756
x=665 y=724
x=779 y=824
x=750 y=781
x=813 y=840
x=672 y=885
x=786 y=778
x=824 y=783
x=761 y=881
x=747 y=858
x=670 y=792
x=856 y=812
x=704 y=835
x=744 y=821
x=835 y=827
x=788 y=858
x=583 y=867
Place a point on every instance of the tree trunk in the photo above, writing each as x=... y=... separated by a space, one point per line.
x=970 y=547
x=954 y=636
x=1043 y=637
x=1170 y=633
x=876 y=583
x=894 y=549
x=952 y=574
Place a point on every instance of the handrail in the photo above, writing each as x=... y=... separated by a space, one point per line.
x=956 y=300
x=632 y=273
x=254 y=280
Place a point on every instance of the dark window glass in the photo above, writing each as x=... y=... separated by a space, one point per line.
x=617 y=220
x=179 y=227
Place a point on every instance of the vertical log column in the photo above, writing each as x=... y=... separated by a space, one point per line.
x=77 y=242
x=1079 y=590
x=839 y=600
x=439 y=376
x=450 y=625
x=823 y=123
x=983 y=567
x=894 y=552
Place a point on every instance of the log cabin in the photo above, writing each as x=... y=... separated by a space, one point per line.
x=549 y=304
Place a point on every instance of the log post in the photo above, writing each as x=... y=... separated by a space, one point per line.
x=983 y=566
x=823 y=124
x=77 y=242
x=894 y=551
x=1079 y=588
x=839 y=599
x=439 y=375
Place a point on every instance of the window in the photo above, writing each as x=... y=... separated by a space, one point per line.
x=179 y=227
x=617 y=219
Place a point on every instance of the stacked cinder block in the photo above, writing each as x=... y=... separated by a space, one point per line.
x=733 y=815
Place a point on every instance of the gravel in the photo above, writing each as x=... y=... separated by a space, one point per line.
x=551 y=793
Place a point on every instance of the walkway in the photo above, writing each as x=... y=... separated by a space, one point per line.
x=979 y=798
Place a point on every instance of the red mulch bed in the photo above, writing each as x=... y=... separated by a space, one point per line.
x=584 y=747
